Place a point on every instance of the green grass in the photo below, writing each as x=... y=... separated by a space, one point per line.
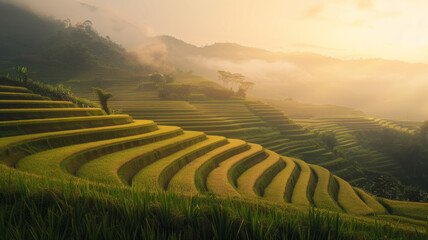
x=305 y=185
x=60 y=162
x=17 y=147
x=50 y=206
x=159 y=173
x=407 y=209
x=220 y=181
x=141 y=157
x=350 y=201
x=264 y=180
x=324 y=194
x=371 y=202
x=21 y=96
x=32 y=126
x=191 y=178
x=281 y=187
x=6 y=88
x=246 y=182
x=13 y=104
x=40 y=113
x=121 y=167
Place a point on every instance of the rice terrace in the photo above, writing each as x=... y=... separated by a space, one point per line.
x=109 y=130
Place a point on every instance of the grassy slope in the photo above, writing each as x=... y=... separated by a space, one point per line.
x=170 y=159
x=49 y=206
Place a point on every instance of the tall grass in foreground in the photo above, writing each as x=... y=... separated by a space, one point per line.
x=40 y=208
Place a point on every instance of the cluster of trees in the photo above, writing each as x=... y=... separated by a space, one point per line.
x=235 y=82
x=168 y=89
x=410 y=151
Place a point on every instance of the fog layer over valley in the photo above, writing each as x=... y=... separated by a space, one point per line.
x=381 y=88
x=378 y=87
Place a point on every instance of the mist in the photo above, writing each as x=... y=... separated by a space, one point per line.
x=107 y=19
x=381 y=88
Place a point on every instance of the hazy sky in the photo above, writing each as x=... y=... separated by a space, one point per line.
x=391 y=29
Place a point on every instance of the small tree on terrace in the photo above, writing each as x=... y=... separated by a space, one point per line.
x=103 y=98
x=329 y=139
x=224 y=77
x=243 y=88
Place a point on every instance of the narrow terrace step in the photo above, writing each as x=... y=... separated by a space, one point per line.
x=14 y=148
x=325 y=193
x=5 y=88
x=120 y=167
x=158 y=174
x=42 y=113
x=191 y=179
x=21 y=96
x=280 y=189
x=371 y=202
x=305 y=185
x=17 y=104
x=65 y=161
x=220 y=181
x=32 y=126
x=253 y=181
x=350 y=201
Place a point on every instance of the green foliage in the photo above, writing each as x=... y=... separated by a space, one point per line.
x=103 y=98
x=21 y=74
x=58 y=93
x=48 y=45
x=406 y=149
x=329 y=139
x=43 y=208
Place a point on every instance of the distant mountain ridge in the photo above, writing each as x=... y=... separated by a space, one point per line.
x=379 y=87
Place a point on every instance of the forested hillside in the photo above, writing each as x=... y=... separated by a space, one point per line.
x=56 y=50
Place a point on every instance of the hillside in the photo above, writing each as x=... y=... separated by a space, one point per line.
x=56 y=51
x=380 y=88
x=380 y=147
x=270 y=127
x=64 y=143
x=111 y=67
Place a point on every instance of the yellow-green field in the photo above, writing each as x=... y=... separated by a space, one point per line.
x=82 y=145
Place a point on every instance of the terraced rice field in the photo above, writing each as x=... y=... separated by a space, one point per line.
x=344 y=128
x=391 y=124
x=120 y=151
x=244 y=119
